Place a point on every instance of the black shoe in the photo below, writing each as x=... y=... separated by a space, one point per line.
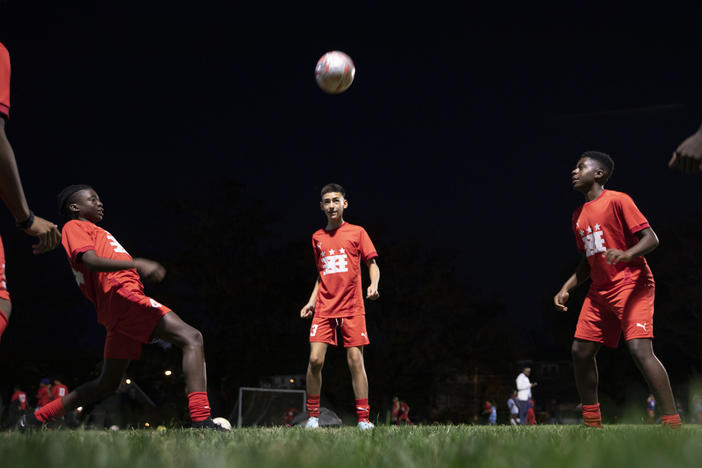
x=208 y=424
x=28 y=422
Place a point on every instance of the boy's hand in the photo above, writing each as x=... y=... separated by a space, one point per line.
x=688 y=156
x=150 y=270
x=560 y=299
x=372 y=293
x=615 y=256
x=307 y=311
x=48 y=234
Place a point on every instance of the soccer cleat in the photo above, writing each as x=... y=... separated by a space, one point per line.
x=28 y=422
x=312 y=423
x=365 y=425
x=208 y=424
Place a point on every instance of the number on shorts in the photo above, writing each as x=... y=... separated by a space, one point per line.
x=313 y=331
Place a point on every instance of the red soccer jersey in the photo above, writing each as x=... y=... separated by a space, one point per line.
x=58 y=391
x=4 y=81
x=43 y=396
x=338 y=254
x=81 y=236
x=20 y=397
x=610 y=222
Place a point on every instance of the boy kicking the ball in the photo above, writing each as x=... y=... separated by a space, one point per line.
x=614 y=236
x=337 y=301
x=111 y=279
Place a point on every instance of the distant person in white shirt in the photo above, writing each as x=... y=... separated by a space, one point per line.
x=513 y=409
x=524 y=387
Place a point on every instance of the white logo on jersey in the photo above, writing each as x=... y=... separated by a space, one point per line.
x=115 y=245
x=593 y=241
x=154 y=303
x=79 y=277
x=641 y=325
x=334 y=263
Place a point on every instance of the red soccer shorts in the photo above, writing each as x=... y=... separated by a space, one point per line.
x=353 y=330
x=136 y=318
x=4 y=293
x=605 y=314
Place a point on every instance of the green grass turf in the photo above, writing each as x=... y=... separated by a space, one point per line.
x=397 y=447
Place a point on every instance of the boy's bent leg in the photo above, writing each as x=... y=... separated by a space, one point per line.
x=354 y=357
x=173 y=329
x=112 y=374
x=653 y=371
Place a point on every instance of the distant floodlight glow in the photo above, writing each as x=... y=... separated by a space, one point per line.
x=128 y=381
x=167 y=373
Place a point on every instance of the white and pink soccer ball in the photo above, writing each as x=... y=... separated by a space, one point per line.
x=334 y=72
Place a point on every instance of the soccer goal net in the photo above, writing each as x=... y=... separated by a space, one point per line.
x=268 y=406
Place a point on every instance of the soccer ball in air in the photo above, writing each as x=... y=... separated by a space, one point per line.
x=224 y=422
x=334 y=72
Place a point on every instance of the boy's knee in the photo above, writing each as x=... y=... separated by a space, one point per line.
x=581 y=351
x=316 y=362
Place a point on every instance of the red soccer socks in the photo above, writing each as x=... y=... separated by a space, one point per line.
x=3 y=324
x=50 y=411
x=592 y=416
x=313 y=406
x=362 y=409
x=199 y=406
x=671 y=420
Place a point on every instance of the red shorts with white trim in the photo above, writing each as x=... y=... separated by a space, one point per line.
x=4 y=293
x=353 y=330
x=136 y=318
x=606 y=314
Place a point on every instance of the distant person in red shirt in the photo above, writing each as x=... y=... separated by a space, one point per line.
x=614 y=236
x=58 y=390
x=400 y=412
x=337 y=301
x=688 y=155
x=20 y=398
x=111 y=279
x=12 y=195
x=44 y=393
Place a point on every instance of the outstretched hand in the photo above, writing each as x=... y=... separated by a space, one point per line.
x=560 y=299
x=47 y=233
x=307 y=311
x=149 y=270
x=688 y=156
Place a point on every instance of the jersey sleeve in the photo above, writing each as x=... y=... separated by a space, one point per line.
x=76 y=239
x=366 y=246
x=315 y=251
x=4 y=82
x=634 y=220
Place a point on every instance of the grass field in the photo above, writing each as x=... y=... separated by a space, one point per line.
x=397 y=447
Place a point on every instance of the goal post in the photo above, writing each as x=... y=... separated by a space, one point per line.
x=267 y=406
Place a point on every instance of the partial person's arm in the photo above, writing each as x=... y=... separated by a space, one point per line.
x=308 y=308
x=147 y=269
x=648 y=241
x=688 y=156
x=12 y=195
x=374 y=273
x=582 y=273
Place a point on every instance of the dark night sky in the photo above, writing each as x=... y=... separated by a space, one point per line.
x=460 y=129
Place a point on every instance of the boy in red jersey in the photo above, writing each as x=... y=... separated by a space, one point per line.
x=614 y=236
x=111 y=279
x=20 y=397
x=337 y=301
x=12 y=194
x=58 y=390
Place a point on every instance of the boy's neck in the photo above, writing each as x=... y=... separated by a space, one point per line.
x=334 y=224
x=594 y=192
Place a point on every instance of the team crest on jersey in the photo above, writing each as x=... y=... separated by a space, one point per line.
x=593 y=240
x=335 y=262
